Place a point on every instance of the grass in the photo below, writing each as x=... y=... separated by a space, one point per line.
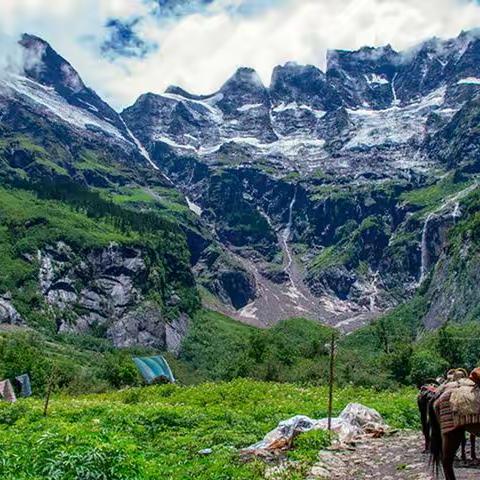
x=32 y=220
x=433 y=195
x=157 y=432
x=134 y=195
x=330 y=256
x=166 y=201
x=90 y=161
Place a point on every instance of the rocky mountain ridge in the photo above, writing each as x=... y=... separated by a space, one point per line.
x=325 y=195
x=370 y=103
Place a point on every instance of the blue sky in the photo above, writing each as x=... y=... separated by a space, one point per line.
x=123 y=48
x=124 y=40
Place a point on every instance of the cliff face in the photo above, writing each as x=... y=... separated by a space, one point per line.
x=77 y=267
x=451 y=288
x=107 y=291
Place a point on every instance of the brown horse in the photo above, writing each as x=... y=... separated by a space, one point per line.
x=444 y=442
x=444 y=446
x=427 y=395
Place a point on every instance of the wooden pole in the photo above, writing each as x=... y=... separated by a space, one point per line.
x=330 y=381
x=51 y=381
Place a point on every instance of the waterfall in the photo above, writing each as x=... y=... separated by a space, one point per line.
x=294 y=291
x=274 y=129
x=374 y=293
x=288 y=230
x=456 y=213
x=394 y=93
x=424 y=248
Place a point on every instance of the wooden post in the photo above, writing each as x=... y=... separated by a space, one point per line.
x=51 y=381
x=330 y=381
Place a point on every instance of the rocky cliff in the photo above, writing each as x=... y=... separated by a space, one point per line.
x=106 y=291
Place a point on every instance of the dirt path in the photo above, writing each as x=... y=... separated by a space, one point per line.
x=394 y=457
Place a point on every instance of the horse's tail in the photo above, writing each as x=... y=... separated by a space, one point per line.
x=435 y=438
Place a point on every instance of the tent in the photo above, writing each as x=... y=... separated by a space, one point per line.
x=154 y=369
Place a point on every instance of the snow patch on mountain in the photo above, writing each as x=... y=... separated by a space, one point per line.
x=374 y=78
x=246 y=108
x=469 y=81
x=393 y=125
x=282 y=107
x=54 y=104
x=196 y=209
x=209 y=108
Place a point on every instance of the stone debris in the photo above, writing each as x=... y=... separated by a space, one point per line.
x=395 y=456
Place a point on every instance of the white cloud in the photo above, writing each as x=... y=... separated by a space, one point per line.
x=198 y=52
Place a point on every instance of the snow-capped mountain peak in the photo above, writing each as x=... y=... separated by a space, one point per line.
x=372 y=106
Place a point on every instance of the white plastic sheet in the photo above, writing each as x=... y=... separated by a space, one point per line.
x=355 y=421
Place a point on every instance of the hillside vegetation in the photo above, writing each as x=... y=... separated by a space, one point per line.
x=391 y=353
x=37 y=215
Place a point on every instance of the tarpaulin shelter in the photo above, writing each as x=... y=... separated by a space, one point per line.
x=154 y=369
x=25 y=385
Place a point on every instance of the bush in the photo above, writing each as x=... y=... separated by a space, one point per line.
x=307 y=445
x=426 y=365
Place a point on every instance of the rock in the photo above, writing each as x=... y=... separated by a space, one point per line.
x=175 y=331
x=225 y=278
x=319 y=471
x=275 y=274
x=142 y=326
x=8 y=313
x=102 y=292
x=173 y=300
x=238 y=286
x=336 y=279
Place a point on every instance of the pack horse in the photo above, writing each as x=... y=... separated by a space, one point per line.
x=448 y=410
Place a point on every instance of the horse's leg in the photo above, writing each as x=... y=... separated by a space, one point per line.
x=422 y=405
x=464 y=445
x=472 y=446
x=451 y=442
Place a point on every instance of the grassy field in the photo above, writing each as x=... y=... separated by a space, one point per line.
x=157 y=432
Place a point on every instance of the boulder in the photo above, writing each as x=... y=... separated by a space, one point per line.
x=8 y=313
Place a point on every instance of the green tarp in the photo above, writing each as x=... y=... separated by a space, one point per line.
x=154 y=368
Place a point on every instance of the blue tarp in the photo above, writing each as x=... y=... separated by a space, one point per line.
x=154 y=368
x=24 y=382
